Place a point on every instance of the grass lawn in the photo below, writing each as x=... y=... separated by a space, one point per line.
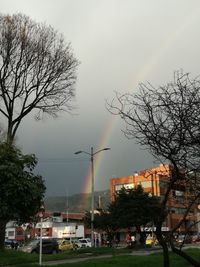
x=15 y=258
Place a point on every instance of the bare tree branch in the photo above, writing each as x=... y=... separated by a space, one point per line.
x=37 y=71
x=166 y=121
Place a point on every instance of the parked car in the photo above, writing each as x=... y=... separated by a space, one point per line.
x=49 y=246
x=11 y=244
x=151 y=241
x=197 y=239
x=64 y=245
x=183 y=239
x=84 y=243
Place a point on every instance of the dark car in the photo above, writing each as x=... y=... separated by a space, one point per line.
x=11 y=244
x=49 y=246
x=183 y=239
x=197 y=239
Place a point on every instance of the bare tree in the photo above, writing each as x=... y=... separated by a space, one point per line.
x=37 y=71
x=166 y=121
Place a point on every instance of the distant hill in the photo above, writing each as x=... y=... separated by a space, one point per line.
x=78 y=202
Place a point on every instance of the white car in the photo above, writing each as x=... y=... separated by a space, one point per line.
x=84 y=243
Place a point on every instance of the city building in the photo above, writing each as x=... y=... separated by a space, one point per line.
x=54 y=225
x=155 y=181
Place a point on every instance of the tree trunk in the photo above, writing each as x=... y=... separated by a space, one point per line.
x=166 y=262
x=9 y=138
x=163 y=243
x=3 y=223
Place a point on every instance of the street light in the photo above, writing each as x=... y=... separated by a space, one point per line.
x=92 y=154
x=41 y=214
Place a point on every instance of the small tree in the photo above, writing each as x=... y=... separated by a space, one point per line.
x=131 y=208
x=166 y=120
x=37 y=71
x=21 y=191
x=134 y=208
x=103 y=221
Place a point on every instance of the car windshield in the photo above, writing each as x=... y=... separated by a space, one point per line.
x=32 y=243
x=83 y=241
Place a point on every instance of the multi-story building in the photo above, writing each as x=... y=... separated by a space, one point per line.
x=155 y=182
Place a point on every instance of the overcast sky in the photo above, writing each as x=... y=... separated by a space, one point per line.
x=119 y=43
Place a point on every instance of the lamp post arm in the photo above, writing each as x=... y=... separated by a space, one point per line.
x=86 y=153
x=92 y=153
x=79 y=152
x=107 y=148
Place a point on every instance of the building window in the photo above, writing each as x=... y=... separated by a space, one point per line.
x=11 y=234
x=118 y=187
x=146 y=184
x=177 y=193
x=163 y=184
x=178 y=210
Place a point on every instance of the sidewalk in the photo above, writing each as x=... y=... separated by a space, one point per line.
x=87 y=257
x=49 y=263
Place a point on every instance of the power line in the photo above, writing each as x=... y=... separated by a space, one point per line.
x=61 y=160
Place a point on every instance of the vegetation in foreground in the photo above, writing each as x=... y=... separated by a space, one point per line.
x=15 y=258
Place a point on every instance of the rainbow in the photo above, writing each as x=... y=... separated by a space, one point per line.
x=152 y=63
x=97 y=159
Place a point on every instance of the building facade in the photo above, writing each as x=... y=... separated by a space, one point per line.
x=155 y=181
x=54 y=225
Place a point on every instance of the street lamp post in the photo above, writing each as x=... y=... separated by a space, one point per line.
x=41 y=213
x=92 y=154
